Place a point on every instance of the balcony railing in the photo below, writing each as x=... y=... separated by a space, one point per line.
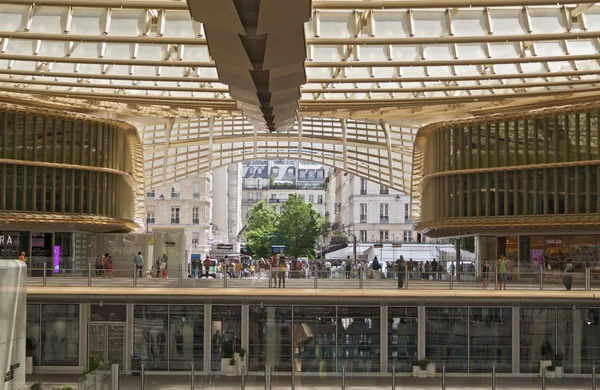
x=363 y=192
x=195 y=221
x=175 y=195
x=196 y=195
x=174 y=221
x=276 y=201
x=255 y=187
x=384 y=219
x=150 y=195
x=363 y=218
x=384 y=191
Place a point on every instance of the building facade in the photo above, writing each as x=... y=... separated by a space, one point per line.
x=275 y=180
x=372 y=212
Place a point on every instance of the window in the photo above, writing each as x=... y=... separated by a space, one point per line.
x=406 y=212
x=151 y=194
x=275 y=171
x=175 y=191
x=336 y=208
x=407 y=235
x=384 y=235
x=320 y=199
x=363 y=212
x=363 y=236
x=150 y=218
x=311 y=198
x=195 y=238
x=195 y=215
x=383 y=212
x=249 y=197
x=383 y=190
x=320 y=174
x=174 y=215
x=363 y=187
x=258 y=195
x=311 y=174
x=302 y=173
x=196 y=190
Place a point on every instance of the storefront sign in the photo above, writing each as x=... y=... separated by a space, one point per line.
x=9 y=238
x=226 y=247
x=9 y=376
x=170 y=241
x=109 y=313
x=15 y=366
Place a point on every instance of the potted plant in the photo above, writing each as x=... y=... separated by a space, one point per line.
x=36 y=386
x=546 y=351
x=431 y=369
x=558 y=365
x=550 y=372
x=422 y=368
x=415 y=369
x=239 y=360
x=227 y=356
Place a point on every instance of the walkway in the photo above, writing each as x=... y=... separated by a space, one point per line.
x=182 y=382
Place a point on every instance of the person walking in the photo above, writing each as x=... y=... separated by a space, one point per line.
x=435 y=269
x=400 y=268
x=99 y=267
x=194 y=269
x=139 y=263
x=282 y=270
x=206 y=264
x=157 y=266
x=164 y=266
x=568 y=275
x=376 y=267
x=485 y=273
x=273 y=265
x=348 y=268
x=501 y=268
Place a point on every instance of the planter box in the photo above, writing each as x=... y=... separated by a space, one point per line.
x=558 y=373
x=550 y=374
x=415 y=371
x=431 y=370
x=228 y=369
x=544 y=364
x=422 y=373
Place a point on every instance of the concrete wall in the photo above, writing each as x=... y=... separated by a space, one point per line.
x=13 y=305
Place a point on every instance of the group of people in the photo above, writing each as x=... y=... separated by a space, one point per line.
x=104 y=266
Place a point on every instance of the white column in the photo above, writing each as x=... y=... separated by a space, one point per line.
x=129 y=337
x=245 y=328
x=421 y=333
x=516 y=340
x=83 y=334
x=207 y=336
x=383 y=339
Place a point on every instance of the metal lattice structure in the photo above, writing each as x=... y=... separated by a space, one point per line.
x=396 y=63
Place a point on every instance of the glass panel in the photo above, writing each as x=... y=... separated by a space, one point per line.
x=3 y=134
x=39 y=189
x=490 y=337
x=492 y=194
x=539 y=199
x=593 y=189
x=49 y=177
x=270 y=332
x=20 y=196
x=530 y=135
x=68 y=142
x=402 y=338
x=77 y=125
x=446 y=337
x=540 y=141
x=582 y=252
x=39 y=138
x=502 y=157
x=226 y=334
x=150 y=335
x=537 y=327
x=587 y=321
x=67 y=187
x=571 y=190
x=32 y=342
x=10 y=177
x=501 y=189
x=29 y=185
x=187 y=337
x=550 y=189
x=50 y=134
x=97 y=341
x=10 y=136
x=572 y=153
x=60 y=335
x=521 y=141
x=564 y=337
x=59 y=135
x=30 y=136
x=582 y=184
x=560 y=172
x=77 y=191
x=593 y=135
x=20 y=137
x=315 y=338
x=358 y=338
x=85 y=136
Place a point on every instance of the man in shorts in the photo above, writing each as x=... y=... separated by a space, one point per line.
x=502 y=268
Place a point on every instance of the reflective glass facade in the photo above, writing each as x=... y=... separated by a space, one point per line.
x=60 y=164
x=542 y=165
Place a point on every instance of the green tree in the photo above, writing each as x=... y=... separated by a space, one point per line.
x=298 y=227
x=260 y=232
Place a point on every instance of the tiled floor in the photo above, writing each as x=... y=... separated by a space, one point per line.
x=182 y=382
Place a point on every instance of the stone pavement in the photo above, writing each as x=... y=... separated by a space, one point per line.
x=180 y=381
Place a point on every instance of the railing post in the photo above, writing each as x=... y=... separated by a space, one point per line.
x=444 y=377
x=180 y=279
x=496 y=278
x=361 y=278
x=588 y=279
x=405 y=275
x=134 y=276
x=316 y=278
x=44 y=275
x=114 y=377
x=142 y=376
x=594 y=377
x=89 y=274
x=242 y=379
x=293 y=374
x=542 y=279
x=267 y=378
x=394 y=377
x=544 y=378
x=225 y=276
x=344 y=377
x=451 y=280
x=494 y=376
x=192 y=376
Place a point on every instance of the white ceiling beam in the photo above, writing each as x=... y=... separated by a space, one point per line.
x=344 y=143
x=168 y=129
x=581 y=8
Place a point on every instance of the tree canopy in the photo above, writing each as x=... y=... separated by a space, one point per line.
x=298 y=227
